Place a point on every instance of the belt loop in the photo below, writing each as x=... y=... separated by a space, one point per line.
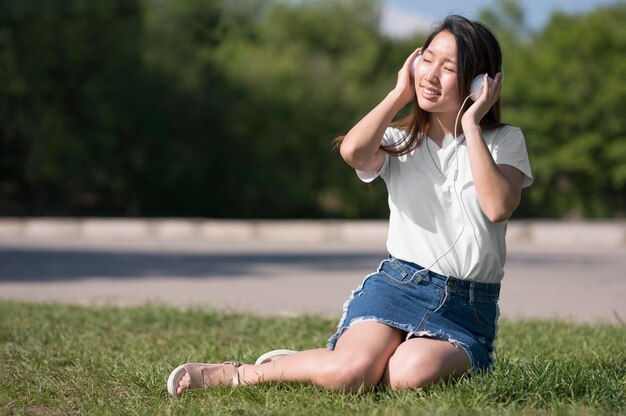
x=471 y=293
x=419 y=275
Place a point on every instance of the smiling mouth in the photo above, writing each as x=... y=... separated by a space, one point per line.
x=428 y=91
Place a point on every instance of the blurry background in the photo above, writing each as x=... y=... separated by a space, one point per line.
x=227 y=108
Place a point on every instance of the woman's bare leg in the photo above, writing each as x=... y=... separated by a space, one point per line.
x=359 y=359
x=420 y=362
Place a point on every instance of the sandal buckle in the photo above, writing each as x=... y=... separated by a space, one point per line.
x=236 y=365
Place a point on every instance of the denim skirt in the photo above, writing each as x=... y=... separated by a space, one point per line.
x=422 y=303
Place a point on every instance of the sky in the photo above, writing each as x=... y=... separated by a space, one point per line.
x=403 y=17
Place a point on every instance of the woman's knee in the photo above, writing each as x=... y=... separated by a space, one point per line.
x=349 y=373
x=411 y=371
x=360 y=356
x=420 y=368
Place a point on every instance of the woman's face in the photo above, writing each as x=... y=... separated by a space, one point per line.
x=436 y=76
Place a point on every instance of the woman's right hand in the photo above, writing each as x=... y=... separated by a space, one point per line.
x=360 y=148
x=405 y=85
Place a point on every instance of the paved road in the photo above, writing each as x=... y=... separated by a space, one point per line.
x=576 y=284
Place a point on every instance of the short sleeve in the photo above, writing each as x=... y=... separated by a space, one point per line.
x=510 y=149
x=391 y=136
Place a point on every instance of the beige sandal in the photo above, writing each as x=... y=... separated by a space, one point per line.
x=196 y=375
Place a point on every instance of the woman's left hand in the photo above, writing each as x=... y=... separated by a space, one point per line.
x=487 y=98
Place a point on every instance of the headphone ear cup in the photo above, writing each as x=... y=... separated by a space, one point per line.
x=414 y=65
x=477 y=85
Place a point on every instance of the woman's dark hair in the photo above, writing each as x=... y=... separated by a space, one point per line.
x=478 y=52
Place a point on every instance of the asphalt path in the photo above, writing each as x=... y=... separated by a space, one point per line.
x=580 y=284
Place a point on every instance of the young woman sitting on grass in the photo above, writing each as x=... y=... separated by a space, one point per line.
x=454 y=174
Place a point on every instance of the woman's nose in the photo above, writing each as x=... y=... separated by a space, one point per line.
x=431 y=75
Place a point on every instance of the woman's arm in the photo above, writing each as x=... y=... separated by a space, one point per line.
x=499 y=187
x=360 y=148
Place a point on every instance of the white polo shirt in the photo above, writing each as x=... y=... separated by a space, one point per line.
x=436 y=221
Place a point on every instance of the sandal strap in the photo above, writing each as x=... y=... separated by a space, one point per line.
x=196 y=380
x=236 y=365
x=196 y=376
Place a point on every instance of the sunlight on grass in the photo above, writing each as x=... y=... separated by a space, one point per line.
x=58 y=359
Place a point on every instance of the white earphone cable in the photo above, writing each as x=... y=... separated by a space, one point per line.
x=456 y=173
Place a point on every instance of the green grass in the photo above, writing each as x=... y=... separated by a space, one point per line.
x=57 y=359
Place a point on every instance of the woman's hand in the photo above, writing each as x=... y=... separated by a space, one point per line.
x=486 y=99
x=405 y=85
x=360 y=148
x=498 y=187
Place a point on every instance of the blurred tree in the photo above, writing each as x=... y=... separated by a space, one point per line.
x=312 y=70
x=198 y=175
x=71 y=85
x=219 y=108
x=568 y=93
x=507 y=18
x=293 y=77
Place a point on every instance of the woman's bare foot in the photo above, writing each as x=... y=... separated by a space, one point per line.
x=183 y=384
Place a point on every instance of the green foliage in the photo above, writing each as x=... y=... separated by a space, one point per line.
x=57 y=359
x=568 y=94
x=228 y=109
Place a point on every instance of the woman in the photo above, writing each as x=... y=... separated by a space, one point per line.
x=430 y=310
